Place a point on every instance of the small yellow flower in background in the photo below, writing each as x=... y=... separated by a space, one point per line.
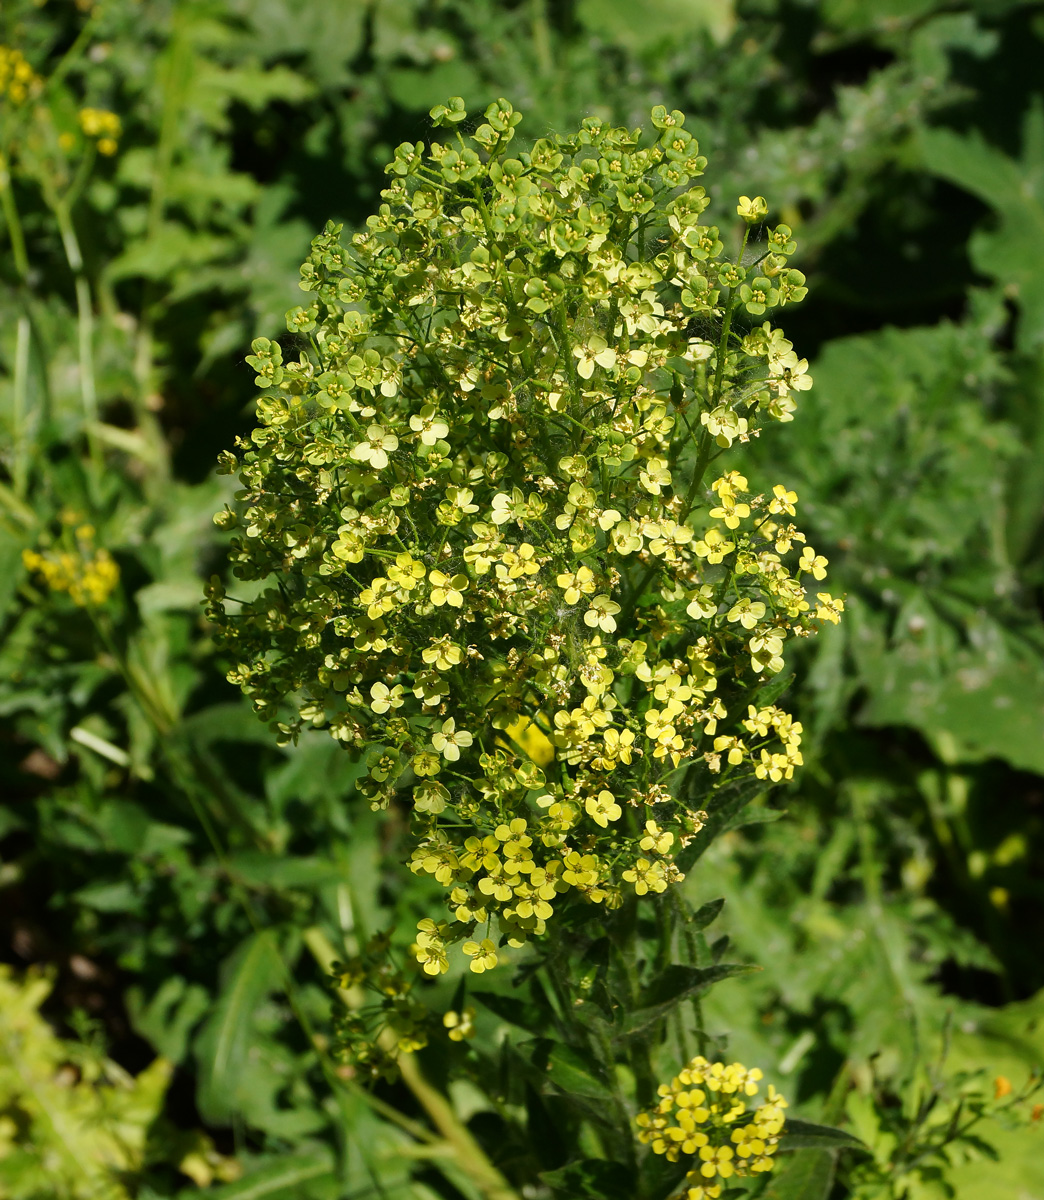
x=18 y=80
x=88 y=575
x=430 y=948
x=461 y=1025
x=1001 y=1087
x=101 y=124
x=532 y=739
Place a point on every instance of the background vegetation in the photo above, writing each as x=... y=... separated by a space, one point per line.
x=176 y=886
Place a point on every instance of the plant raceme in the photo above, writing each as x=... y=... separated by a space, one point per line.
x=490 y=552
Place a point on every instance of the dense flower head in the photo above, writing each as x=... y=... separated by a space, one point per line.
x=103 y=125
x=488 y=549
x=87 y=574
x=708 y=1114
x=18 y=80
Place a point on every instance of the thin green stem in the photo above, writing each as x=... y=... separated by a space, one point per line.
x=84 y=308
x=19 y=417
x=13 y=221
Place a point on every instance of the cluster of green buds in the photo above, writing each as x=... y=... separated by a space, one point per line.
x=487 y=548
x=382 y=1018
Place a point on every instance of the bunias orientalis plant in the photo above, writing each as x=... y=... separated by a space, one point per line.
x=479 y=496
x=496 y=558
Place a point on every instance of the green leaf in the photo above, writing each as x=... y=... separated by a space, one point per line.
x=596 y=1178
x=706 y=914
x=804 y=1135
x=281 y=1178
x=1013 y=252
x=569 y=1071
x=808 y=1176
x=168 y=1018
x=662 y=21
x=224 y=1043
x=668 y=990
x=679 y=982
x=526 y=1016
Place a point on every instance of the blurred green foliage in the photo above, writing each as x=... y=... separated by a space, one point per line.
x=189 y=884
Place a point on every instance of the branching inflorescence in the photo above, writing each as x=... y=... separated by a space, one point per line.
x=492 y=554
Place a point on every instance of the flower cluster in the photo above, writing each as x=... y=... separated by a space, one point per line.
x=101 y=124
x=477 y=513
x=87 y=574
x=18 y=80
x=383 y=1019
x=707 y=1113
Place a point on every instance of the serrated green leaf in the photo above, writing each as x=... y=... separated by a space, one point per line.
x=1013 y=252
x=668 y=990
x=518 y=1012
x=595 y=1178
x=808 y=1176
x=568 y=1070
x=805 y=1135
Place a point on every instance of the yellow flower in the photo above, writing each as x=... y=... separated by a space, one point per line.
x=447 y=589
x=576 y=583
x=461 y=1025
x=603 y=808
x=747 y=612
x=429 y=425
x=483 y=955
x=384 y=698
x=782 y=501
x=717 y=1161
x=602 y=614
x=815 y=564
x=376 y=448
x=442 y=653
x=449 y=740
x=752 y=210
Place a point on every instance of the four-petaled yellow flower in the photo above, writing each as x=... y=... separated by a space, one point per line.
x=596 y=350
x=576 y=583
x=376 y=448
x=450 y=740
x=603 y=808
x=429 y=425
x=460 y=1025
x=446 y=589
x=602 y=614
x=483 y=955
x=383 y=698
x=815 y=564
